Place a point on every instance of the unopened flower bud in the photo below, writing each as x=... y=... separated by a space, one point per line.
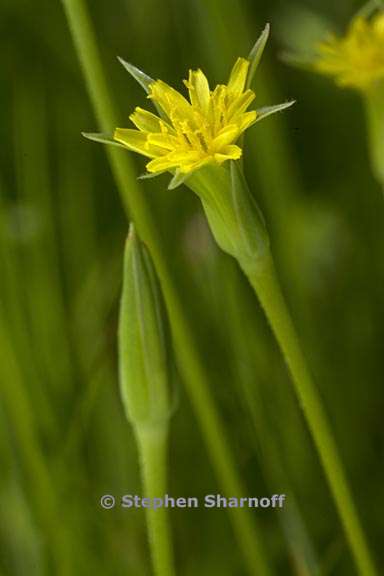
x=143 y=360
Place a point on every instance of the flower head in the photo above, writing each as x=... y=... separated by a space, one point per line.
x=201 y=130
x=356 y=59
x=195 y=132
x=192 y=133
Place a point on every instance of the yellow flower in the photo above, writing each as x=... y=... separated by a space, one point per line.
x=195 y=132
x=201 y=130
x=357 y=59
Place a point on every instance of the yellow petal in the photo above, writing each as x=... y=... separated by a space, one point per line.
x=198 y=89
x=231 y=152
x=359 y=26
x=240 y=104
x=225 y=137
x=169 y=99
x=136 y=141
x=217 y=107
x=238 y=77
x=188 y=167
x=172 y=160
x=378 y=25
x=184 y=156
x=160 y=165
x=145 y=121
x=246 y=120
x=166 y=141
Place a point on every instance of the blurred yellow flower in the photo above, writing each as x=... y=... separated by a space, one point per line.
x=192 y=133
x=357 y=59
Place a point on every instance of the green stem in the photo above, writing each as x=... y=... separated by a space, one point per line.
x=265 y=283
x=374 y=106
x=152 y=443
x=193 y=372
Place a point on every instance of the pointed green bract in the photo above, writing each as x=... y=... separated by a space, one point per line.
x=178 y=179
x=149 y=175
x=102 y=138
x=256 y=54
x=143 y=79
x=269 y=110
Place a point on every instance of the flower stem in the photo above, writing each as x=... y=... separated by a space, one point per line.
x=265 y=283
x=374 y=106
x=194 y=374
x=152 y=444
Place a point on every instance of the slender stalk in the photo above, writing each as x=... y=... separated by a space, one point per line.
x=265 y=283
x=194 y=375
x=374 y=107
x=253 y=360
x=152 y=444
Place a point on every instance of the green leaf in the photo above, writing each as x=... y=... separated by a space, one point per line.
x=102 y=138
x=256 y=54
x=143 y=79
x=268 y=110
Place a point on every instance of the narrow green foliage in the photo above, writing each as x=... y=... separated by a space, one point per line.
x=64 y=436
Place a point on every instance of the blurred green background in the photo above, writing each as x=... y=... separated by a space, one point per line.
x=64 y=440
